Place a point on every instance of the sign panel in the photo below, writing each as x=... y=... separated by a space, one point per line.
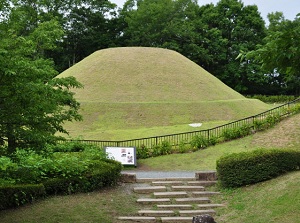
x=125 y=155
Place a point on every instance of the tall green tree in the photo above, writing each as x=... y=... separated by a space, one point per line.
x=279 y=54
x=33 y=104
x=163 y=23
x=236 y=27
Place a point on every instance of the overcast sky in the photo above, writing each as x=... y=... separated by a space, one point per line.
x=290 y=8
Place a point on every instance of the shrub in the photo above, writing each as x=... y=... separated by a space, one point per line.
x=198 y=142
x=165 y=148
x=274 y=98
x=183 y=147
x=100 y=174
x=268 y=122
x=16 y=195
x=235 y=133
x=246 y=168
x=142 y=152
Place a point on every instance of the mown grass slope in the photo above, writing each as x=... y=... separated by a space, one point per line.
x=129 y=88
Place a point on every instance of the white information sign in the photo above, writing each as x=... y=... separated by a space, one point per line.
x=125 y=155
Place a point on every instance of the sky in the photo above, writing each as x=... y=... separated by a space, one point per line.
x=290 y=8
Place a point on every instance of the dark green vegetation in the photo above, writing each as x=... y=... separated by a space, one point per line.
x=243 y=169
x=127 y=89
x=27 y=175
x=33 y=105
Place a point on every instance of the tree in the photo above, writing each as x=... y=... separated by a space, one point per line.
x=33 y=104
x=234 y=27
x=162 y=23
x=280 y=52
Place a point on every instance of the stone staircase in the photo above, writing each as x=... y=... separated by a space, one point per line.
x=172 y=200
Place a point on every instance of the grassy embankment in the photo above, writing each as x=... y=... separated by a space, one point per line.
x=140 y=92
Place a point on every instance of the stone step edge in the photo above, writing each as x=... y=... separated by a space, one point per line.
x=149 y=189
x=170 y=194
x=154 y=219
x=163 y=213
x=188 y=206
x=147 y=180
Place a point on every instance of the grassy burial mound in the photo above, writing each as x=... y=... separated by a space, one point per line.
x=136 y=92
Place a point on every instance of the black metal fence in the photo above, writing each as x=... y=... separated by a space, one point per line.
x=176 y=139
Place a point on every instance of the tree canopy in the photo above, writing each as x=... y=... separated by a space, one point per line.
x=33 y=103
x=279 y=53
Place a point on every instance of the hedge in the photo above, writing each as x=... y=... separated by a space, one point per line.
x=246 y=168
x=101 y=174
x=15 y=195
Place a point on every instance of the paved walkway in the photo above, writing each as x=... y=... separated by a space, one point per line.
x=161 y=174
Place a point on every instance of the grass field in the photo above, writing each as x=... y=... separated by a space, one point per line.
x=275 y=201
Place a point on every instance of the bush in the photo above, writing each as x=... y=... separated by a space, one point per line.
x=100 y=174
x=235 y=133
x=198 y=142
x=142 y=152
x=246 y=168
x=15 y=195
x=274 y=98
x=183 y=147
x=266 y=123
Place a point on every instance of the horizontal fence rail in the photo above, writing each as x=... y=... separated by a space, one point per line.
x=176 y=139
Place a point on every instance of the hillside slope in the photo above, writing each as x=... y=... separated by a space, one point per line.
x=137 y=87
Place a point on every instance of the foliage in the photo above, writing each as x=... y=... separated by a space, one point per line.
x=143 y=152
x=163 y=148
x=12 y=196
x=199 y=142
x=274 y=98
x=279 y=52
x=34 y=106
x=183 y=146
x=100 y=174
x=246 y=168
x=265 y=123
x=237 y=132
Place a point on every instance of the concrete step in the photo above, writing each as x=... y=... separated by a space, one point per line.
x=201 y=183
x=153 y=200
x=187 y=188
x=137 y=219
x=189 y=206
x=175 y=206
x=204 y=193
x=170 y=194
x=192 y=213
x=195 y=200
x=168 y=183
x=149 y=189
x=209 y=206
x=176 y=219
x=157 y=213
x=149 y=180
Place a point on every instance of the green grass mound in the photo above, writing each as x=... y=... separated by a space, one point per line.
x=130 y=88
